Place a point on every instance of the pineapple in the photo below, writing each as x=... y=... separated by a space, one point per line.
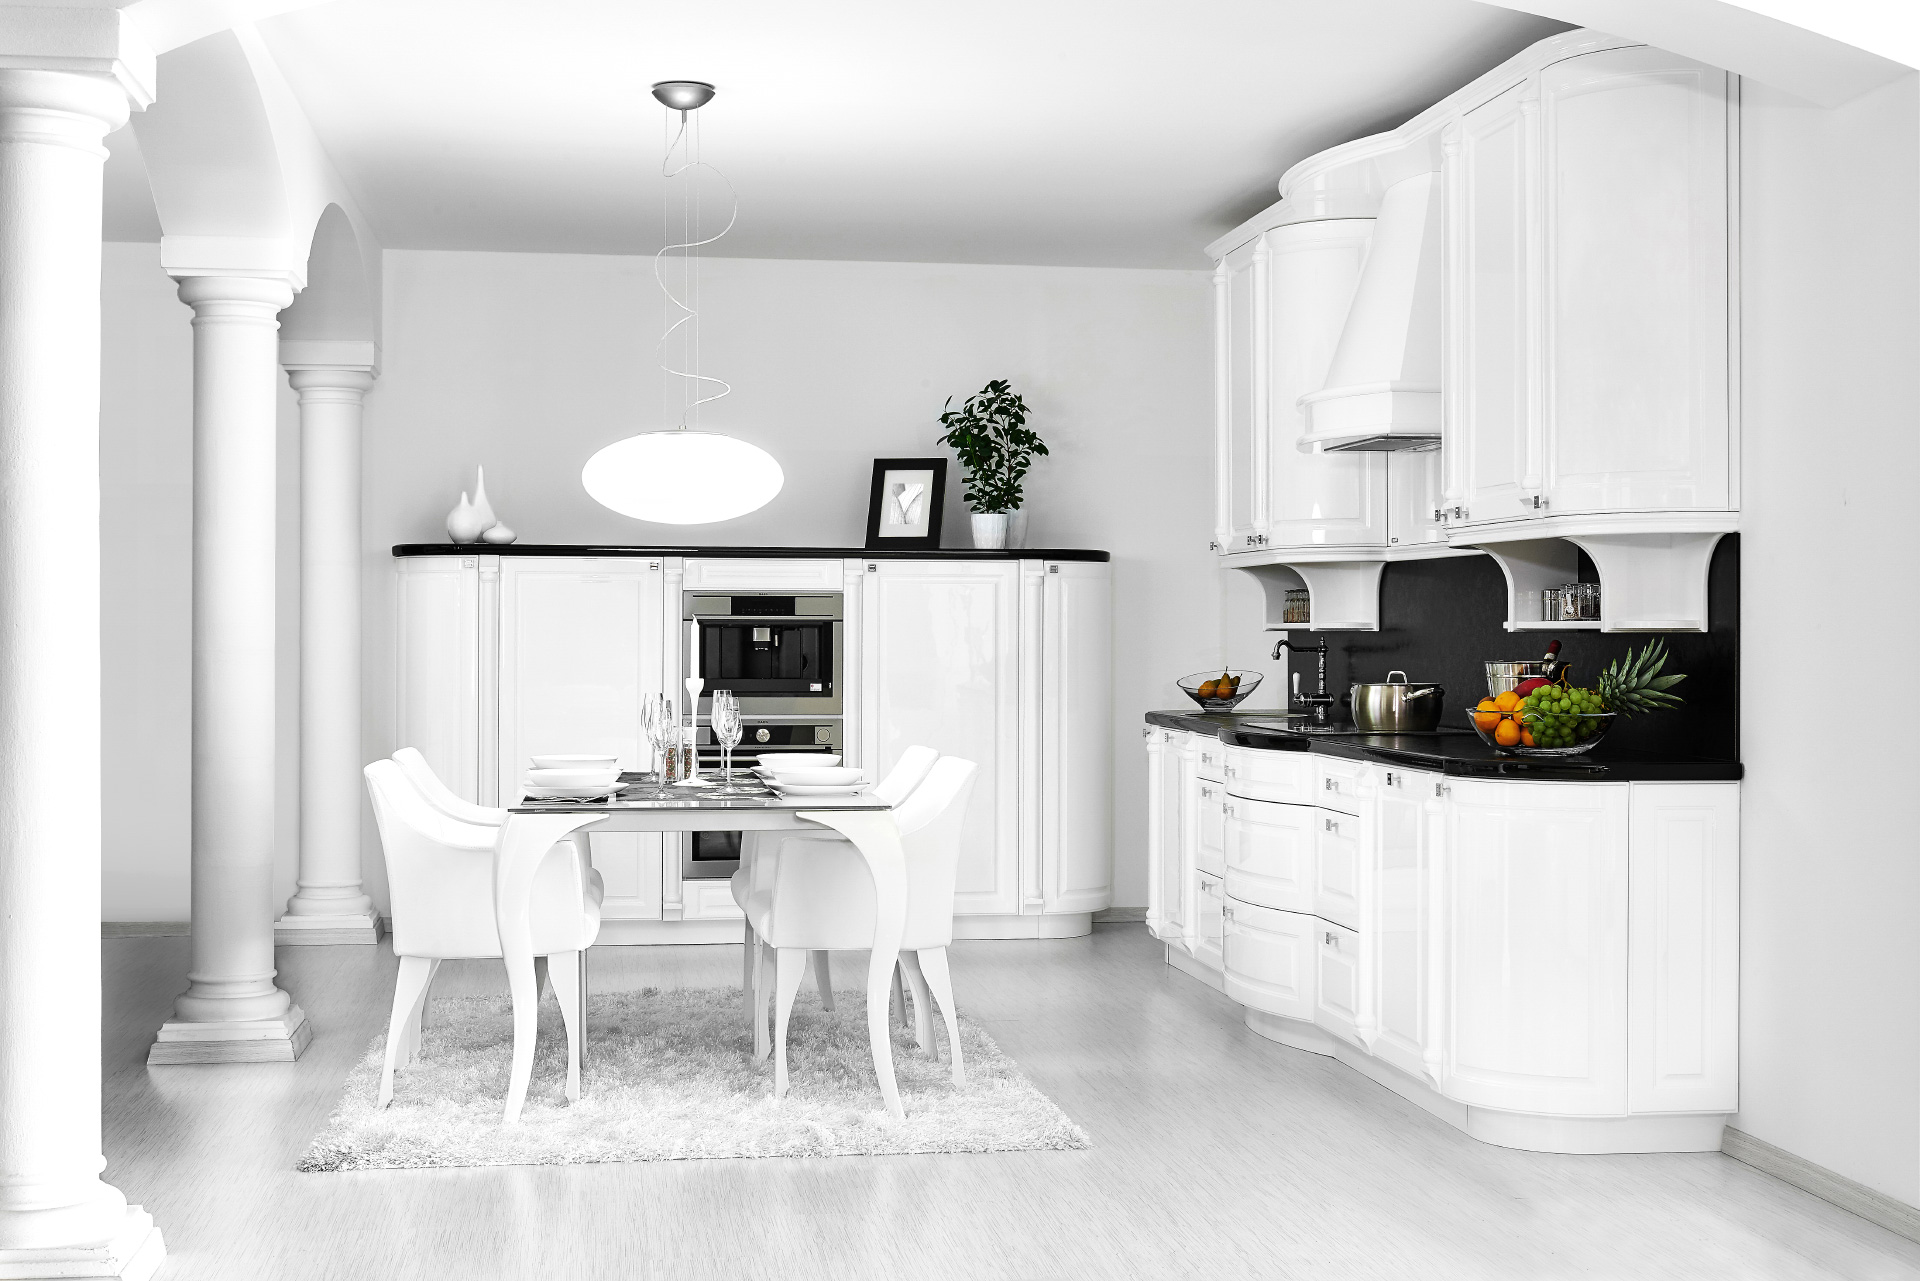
x=1634 y=683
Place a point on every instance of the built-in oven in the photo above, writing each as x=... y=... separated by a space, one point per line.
x=780 y=653
x=716 y=855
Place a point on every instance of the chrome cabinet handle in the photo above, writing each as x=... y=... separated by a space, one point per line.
x=1333 y=826
x=1206 y=791
x=1330 y=942
x=1230 y=771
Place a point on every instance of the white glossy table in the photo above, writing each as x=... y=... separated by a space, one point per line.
x=533 y=827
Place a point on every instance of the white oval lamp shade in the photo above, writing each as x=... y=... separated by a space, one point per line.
x=682 y=477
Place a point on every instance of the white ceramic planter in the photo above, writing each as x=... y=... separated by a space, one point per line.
x=990 y=530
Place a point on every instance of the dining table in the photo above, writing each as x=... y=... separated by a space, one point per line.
x=534 y=826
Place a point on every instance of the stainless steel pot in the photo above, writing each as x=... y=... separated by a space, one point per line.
x=1397 y=706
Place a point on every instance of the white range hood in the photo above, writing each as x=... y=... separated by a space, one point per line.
x=1383 y=384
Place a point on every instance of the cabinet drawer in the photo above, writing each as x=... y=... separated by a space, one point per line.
x=710 y=901
x=1337 y=981
x=1338 y=785
x=1270 y=854
x=1336 y=868
x=1270 y=776
x=1210 y=758
x=1209 y=921
x=761 y=576
x=1210 y=821
x=1269 y=959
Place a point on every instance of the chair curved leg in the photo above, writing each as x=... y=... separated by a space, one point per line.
x=564 y=969
x=790 y=965
x=823 y=979
x=933 y=963
x=922 y=1005
x=898 y=1007
x=763 y=963
x=747 y=968
x=416 y=1025
x=408 y=990
x=539 y=978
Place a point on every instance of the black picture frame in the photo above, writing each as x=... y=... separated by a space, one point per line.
x=918 y=536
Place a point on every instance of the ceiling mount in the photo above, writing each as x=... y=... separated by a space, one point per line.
x=684 y=95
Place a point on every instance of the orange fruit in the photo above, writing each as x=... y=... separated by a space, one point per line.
x=1486 y=722
x=1526 y=737
x=1507 y=733
x=1508 y=701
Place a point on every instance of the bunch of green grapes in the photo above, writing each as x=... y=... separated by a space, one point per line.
x=1554 y=715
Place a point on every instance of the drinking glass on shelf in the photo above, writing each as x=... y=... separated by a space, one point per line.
x=725 y=721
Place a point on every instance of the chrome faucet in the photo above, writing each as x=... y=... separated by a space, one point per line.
x=1320 y=702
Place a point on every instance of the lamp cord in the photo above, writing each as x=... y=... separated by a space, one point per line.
x=686 y=140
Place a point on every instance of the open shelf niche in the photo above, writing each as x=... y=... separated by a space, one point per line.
x=1649 y=582
x=1343 y=595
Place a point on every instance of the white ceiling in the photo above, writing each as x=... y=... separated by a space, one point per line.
x=1120 y=133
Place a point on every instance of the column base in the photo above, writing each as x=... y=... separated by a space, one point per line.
x=134 y=1254
x=276 y=1040
x=301 y=931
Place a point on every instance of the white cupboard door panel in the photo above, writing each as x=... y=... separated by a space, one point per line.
x=1269 y=958
x=1270 y=854
x=1336 y=868
x=438 y=662
x=1314 y=500
x=1400 y=938
x=1537 y=947
x=1337 y=982
x=1492 y=429
x=1271 y=776
x=1636 y=281
x=629 y=864
x=1209 y=802
x=1683 y=979
x=1240 y=451
x=941 y=667
x=1076 y=738
x=1211 y=923
x=1337 y=784
x=1163 y=840
x=1210 y=757
x=772 y=575
x=1184 y=871
x=1415 y=494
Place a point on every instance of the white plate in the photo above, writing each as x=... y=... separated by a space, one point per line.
x=568 y=793
x=821 y=777
x=801 y=789
x=775 y=762
x=575 y=778
x=577 y=762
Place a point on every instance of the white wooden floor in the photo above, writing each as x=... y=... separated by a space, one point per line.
x=1217 y=1155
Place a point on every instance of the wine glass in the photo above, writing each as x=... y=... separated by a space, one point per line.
x=664 y=730
x=726 y=728
x=650 y=717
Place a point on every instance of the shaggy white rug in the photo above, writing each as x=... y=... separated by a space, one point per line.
x=668 y=1077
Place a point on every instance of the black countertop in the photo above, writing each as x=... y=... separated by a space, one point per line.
x=1460 y=752
x=744 y=553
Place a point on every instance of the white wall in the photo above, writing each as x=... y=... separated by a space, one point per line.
x=1830 y=946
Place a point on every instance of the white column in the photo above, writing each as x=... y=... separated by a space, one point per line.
x=330 y=906
x=57 y=1218
x=231 y=1011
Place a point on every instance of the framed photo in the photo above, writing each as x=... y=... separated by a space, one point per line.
x=908 y=497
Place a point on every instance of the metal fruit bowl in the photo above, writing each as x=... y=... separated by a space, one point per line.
x=1594 y=724
x=1190 y=685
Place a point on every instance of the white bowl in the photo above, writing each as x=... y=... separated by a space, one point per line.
x=820 y=777
x=566 y=793
x=801 y=789
x=577 y=762
x=573 y=777
x=780 y=762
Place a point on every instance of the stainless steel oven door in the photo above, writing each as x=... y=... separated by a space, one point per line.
x=781 y=655
x=707 y=856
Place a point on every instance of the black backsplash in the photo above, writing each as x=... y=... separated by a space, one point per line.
x=1440 y=620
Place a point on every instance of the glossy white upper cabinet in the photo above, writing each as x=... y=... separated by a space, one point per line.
x=1314 y=499
x=1240 y=450
x=1492 y=433
x=1634 y=209
x=940 y=646
x=1587 y=287
x=1416 y=488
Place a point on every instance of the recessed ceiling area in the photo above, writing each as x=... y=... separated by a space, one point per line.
x=1004 y=131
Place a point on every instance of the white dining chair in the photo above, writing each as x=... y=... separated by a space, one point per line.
x=758 y=851
x=820 y=897
x=443 y=798
x=440 y=879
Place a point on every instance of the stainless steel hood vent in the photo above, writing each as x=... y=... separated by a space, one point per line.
x=1382 y=393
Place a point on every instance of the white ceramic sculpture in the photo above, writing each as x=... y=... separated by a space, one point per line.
x=480 y=504
x=463 y=522
x=498 y=534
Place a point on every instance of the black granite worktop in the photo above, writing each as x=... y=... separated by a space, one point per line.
x=745 y=553
x=1459 y=752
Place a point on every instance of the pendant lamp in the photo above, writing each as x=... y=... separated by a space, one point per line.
x=684 y=476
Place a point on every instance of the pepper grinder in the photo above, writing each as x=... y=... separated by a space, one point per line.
x=690 y=734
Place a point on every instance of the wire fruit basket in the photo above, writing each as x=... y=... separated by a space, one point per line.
x=1582 y=731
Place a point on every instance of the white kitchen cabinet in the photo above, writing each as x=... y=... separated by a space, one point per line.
x=580 y=646
x=1210 y=925
x=1074 y=780
x=1535 y=947
x=1416 y=491
x=1336 y=868
x=1339 y=987
x=1269 y=854
x=1240 y=451
x=1406 y=809
x=438 y=643
x=1209 y=802
x=1164 y=879
x=1288 y=777
x=940 y=653
x=1337 y=784
x=1269 y=959
x=1683 y=929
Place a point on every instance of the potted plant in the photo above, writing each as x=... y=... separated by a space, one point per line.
x=989 y=434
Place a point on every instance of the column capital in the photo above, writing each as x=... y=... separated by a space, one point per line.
x=237 y=294
x=338 y=383
x=330 y=353
x=90 y=40
x=235 y=258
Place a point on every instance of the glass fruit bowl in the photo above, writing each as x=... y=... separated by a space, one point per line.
x=1219 y=689
x=1571 y=733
